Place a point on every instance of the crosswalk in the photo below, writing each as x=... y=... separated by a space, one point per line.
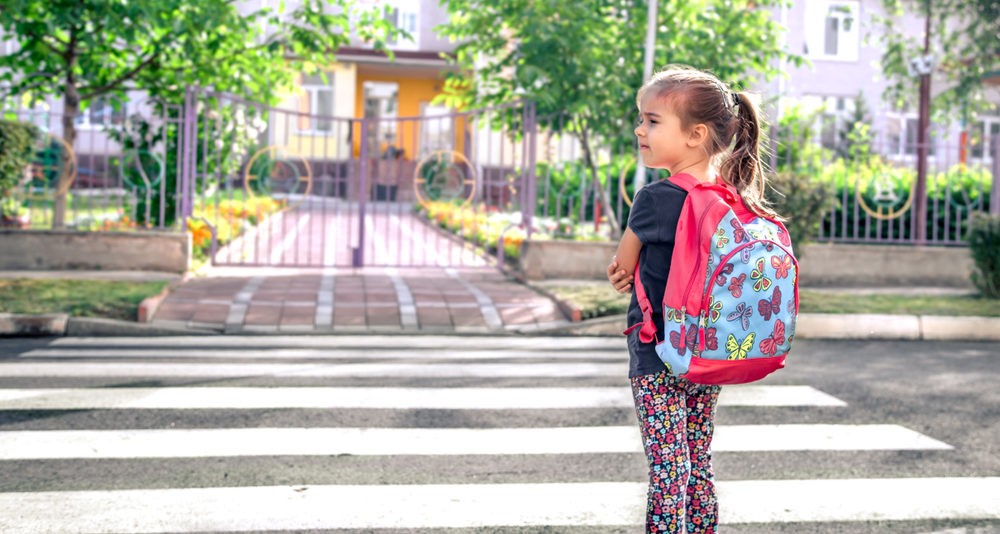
x=355 y=433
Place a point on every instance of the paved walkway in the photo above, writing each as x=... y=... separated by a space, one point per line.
x=372 y=299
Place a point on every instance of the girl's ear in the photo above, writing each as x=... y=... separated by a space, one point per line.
x=697 y=135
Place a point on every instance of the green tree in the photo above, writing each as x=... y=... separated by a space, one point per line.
x=964 y=43
x=584 y=59
x=87 y=49
x=854 y=137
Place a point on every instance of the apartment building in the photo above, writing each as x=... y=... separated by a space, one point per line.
x=843 y=46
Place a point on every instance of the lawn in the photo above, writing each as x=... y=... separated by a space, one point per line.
x=79 y=298
x=599 y=300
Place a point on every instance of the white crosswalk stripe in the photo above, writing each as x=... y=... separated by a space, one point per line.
x=474 y=505
x=466 y=398
x=444 y=441
x=401 y=428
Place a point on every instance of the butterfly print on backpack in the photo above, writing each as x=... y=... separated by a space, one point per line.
x=681 y=341
x=722 y=239
x=711 y=342
x=781 y=266
x=763 y=283
x=768 y=307
x=721 y=277
x=739 y=233
x=742 y=314
x=738 y=349
x=770 y=345
x=736 y=285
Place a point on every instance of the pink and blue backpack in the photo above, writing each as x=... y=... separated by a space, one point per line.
x=732 y=294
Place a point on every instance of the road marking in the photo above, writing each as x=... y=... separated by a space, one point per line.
x=382 y=342
x=476 y=505
x=324 y=296
x=278 y=253
x=191 y=443
x=514 y=398
x=68 y=354
x=427 y=370
x=241 y=302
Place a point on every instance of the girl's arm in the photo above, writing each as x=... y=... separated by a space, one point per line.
x=621 y=272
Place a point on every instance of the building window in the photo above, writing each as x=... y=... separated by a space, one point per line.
x=436 y=129
x=901 y=136
x=832 y=30
x=403 y=14
x=100 y=114
x=406 y=17
x=316 y=98
x=982 y=136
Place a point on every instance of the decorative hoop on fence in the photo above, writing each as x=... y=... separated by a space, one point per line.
x=52 y=170
x=282 y=169
x=145 y=181
x=885 y=194
x=446 y=176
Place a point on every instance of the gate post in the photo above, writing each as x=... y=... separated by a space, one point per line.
x=995 y=193
x=184 y=189
x=358 y=256
x=530 y=133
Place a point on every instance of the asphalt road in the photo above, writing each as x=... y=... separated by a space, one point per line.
x=453 y=434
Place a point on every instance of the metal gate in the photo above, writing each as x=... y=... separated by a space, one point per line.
x=281 y=187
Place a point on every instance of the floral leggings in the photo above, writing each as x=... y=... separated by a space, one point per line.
x=675 y=416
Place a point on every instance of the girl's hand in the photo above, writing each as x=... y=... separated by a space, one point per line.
x=618 y=279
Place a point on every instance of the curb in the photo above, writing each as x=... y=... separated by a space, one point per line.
x=97 y=327
x=857 y=327
x=46 y=324
x=570 y=310
x=149 y=305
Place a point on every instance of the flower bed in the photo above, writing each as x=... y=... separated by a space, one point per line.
x=484 y=225
x=230 y=218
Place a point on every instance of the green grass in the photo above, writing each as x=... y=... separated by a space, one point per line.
x=599 y=300
x=815 y=302
x=79 y=298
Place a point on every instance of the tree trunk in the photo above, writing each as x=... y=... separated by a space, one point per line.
x=71 y=108
x=612 y=216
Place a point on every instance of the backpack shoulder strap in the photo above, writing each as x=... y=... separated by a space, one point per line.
x=684 y=180
x=647 y=328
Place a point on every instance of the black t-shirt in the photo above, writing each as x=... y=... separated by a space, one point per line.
x=655 y=212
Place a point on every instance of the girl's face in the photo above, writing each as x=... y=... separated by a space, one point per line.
x=663 y=142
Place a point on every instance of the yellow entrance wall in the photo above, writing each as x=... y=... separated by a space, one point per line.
x=412 y=93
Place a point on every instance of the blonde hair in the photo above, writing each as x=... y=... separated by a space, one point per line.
x=698 y=97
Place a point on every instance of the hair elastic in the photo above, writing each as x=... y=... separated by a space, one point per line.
x=736 y=98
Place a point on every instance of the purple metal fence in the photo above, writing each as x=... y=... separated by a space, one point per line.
x=349 y=192
x=119 y=173
x=875 y=189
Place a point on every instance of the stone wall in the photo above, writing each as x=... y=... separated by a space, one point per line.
x=821 y=265
x=69 y=249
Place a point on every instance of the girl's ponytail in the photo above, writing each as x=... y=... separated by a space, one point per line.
x=743 y=169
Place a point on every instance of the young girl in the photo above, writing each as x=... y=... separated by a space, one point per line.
x=688 y=121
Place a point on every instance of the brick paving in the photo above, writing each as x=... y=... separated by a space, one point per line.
x=252 y=299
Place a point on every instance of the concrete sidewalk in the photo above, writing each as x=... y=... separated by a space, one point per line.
x=235 y=300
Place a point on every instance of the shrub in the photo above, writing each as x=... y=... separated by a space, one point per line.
x=984 y=243
x=803 y=202
x=17 y=141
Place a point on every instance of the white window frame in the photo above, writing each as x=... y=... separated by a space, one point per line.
x=988 y=123
x=108 y=116
x=899 y=151
x=312 y=91
x=407 y=13
x=817 y=12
